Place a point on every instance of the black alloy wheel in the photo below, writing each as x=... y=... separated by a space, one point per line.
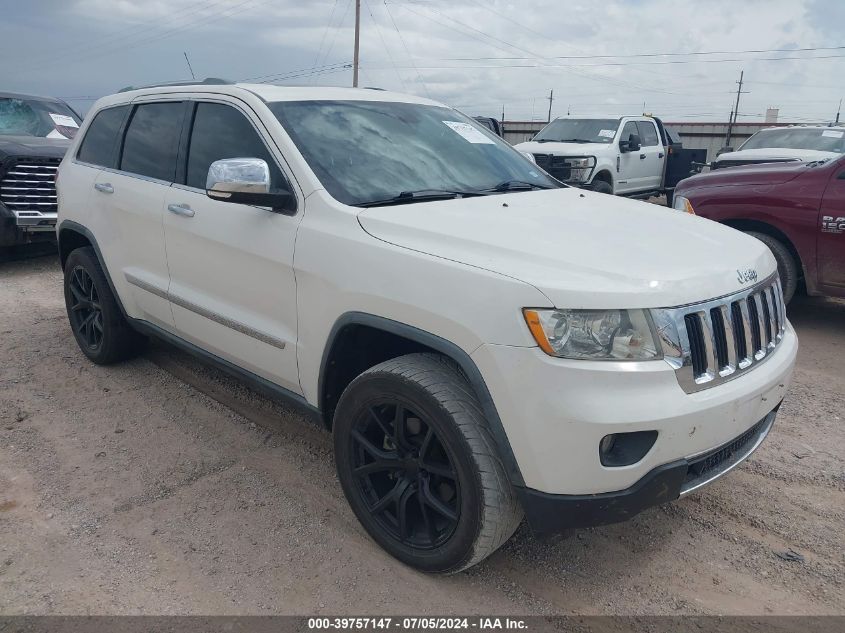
x=86 y=313
x=417 y=462
x=405 y=475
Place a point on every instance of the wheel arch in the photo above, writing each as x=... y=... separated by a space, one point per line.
x=605 y=175
x=759 y=226
x=359 y=340
x=72 y=235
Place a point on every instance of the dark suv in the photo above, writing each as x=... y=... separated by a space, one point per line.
x=34 y=134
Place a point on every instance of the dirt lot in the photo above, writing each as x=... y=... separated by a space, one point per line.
x=160 y=486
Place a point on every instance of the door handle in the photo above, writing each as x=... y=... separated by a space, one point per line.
x=660 y=155
x=642 y=156
x=104 y=187
x=181 y=209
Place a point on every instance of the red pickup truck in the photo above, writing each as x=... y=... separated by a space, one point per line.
x=797 y=209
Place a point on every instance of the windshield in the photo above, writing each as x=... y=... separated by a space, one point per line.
x=579 y=131
x=366 y=151
x=826 y=140
x=32 y=117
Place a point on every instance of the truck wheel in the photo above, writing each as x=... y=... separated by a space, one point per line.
x=418 y=464
x=787 y=266
x=602 y=186
x=102 y=333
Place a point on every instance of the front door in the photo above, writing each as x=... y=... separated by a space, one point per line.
x=232 y=289
x=831 y=233
x=655 y=154
x=629 y=172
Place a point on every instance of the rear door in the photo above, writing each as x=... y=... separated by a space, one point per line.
x=131 y=201
x=233 y=289
x=830 y=254
x=652 y=155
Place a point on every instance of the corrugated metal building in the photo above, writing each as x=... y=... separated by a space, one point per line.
x=709 y=136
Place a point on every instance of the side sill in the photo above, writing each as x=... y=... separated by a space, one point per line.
x=262 y=385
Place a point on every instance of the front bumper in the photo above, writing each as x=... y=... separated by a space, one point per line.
x=555 y=413
x=22 y=227
x=548 y=513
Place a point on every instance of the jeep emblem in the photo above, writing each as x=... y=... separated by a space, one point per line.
x=749 y=275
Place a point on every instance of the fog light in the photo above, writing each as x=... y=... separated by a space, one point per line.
x=606 y=444
x=624 y=449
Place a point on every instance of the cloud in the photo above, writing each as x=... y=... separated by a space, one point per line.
x=478 y=54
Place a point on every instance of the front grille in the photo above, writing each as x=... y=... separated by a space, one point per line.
x=28 y=187
x=713 y=342
x=714 y=463
x=555 y=166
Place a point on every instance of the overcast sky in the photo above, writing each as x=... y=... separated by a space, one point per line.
x=477 y=55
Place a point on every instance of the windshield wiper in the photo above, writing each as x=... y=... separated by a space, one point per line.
x=564 y=140
x=518 y=185
x=423 y=195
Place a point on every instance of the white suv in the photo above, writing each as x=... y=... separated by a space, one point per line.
x=481 y=341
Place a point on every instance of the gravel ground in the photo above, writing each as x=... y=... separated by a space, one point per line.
x=162 y=487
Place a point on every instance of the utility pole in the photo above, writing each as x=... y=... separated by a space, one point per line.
x=551 y=99
x=357 y=43
x=735 y=113
x=838 y=110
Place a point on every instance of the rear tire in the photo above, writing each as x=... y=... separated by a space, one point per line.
x=788 y=268
x=419 y=466
x=98 y=325
x=602 y=186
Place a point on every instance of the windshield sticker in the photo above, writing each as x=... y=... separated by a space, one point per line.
x=833 y=133
x=607 y=133
x=468 y=132
x=63 y=119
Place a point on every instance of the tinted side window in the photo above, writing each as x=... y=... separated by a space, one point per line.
x=630 y=128
x=220 y=131
x=648 y=133
x=99 y=143
x=152 y=140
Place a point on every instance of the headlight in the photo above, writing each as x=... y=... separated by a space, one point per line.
x=580 y=168
x=529 y=156
x=593 y=334
x=683 y=204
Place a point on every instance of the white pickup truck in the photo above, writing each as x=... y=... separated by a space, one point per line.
x=631 y=155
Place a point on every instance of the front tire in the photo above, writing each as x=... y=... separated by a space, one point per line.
x=787 y=266
x=97 y=323
x=602 y=186
x=418 y=464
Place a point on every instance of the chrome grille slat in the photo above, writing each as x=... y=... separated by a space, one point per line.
x=29 y=186
x=718 y=340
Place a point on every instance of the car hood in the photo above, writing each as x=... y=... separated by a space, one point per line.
x=563 y=149
x=752 y=174
x=581 y=249
x=774 y=153
x=33 y=146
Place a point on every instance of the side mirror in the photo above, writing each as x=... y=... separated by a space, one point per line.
x=631 y=145
x=246 y=181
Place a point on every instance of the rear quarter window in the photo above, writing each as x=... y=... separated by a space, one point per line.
x=100 y=141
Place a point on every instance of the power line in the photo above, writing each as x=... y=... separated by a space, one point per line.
x=384 y=44
x=514 y=46
x=633 y=55
x=208 y=19
x=120 y=34
x=405 y=46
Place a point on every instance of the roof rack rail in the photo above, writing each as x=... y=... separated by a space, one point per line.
x=208 y=81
